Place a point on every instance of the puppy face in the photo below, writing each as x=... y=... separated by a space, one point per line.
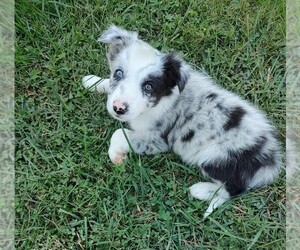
x=141 y=77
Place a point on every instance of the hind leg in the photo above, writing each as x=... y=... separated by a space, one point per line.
x=208 y=191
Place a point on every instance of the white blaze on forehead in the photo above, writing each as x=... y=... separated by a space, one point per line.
x=141 y=56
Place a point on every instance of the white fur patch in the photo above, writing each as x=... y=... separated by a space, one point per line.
x=263 y=177
x=119 y=147
x=141 y=56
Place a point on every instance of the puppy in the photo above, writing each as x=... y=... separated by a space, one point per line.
x=172 y=107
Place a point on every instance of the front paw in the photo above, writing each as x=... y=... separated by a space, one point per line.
x=95 y=83
x=119 y=147
x=117 y=157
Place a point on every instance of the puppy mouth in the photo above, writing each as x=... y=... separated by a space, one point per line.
x=121 y=118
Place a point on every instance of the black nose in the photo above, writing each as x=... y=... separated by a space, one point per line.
x=121 y=110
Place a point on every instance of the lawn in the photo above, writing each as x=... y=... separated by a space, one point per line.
x=68 y=194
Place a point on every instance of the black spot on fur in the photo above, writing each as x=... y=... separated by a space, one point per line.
x=200 y=126
x=117 y=44
x=159 y=89
x=234 y=118
x=200 y=105
x=148 y=150
x=219 y=106
x=158 y=124
x=113 y=85
x=212 y=137
x=113 y=52
x=222 y=109
x=187 y=118
x=163 y=85
x=189 y=136
x=142 y=147
x=212 y=123
x=172 y=72
x=240 y=166
x=212 y=96
x=165 y=134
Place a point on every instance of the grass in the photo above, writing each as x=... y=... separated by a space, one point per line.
x=68 y=194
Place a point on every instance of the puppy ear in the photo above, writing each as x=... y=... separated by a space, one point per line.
x=173 y=70
x=117 y=38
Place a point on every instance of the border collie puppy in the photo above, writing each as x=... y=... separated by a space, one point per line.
x=172 y=107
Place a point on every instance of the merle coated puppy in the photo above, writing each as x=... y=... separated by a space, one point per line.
x=172 y=107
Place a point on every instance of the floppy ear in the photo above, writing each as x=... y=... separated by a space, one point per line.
x=173 y=70
x=117 y=38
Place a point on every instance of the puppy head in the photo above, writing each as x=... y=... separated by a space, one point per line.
x=141 y=78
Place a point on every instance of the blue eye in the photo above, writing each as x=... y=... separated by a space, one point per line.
x=148 y=87
x=118 y=75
